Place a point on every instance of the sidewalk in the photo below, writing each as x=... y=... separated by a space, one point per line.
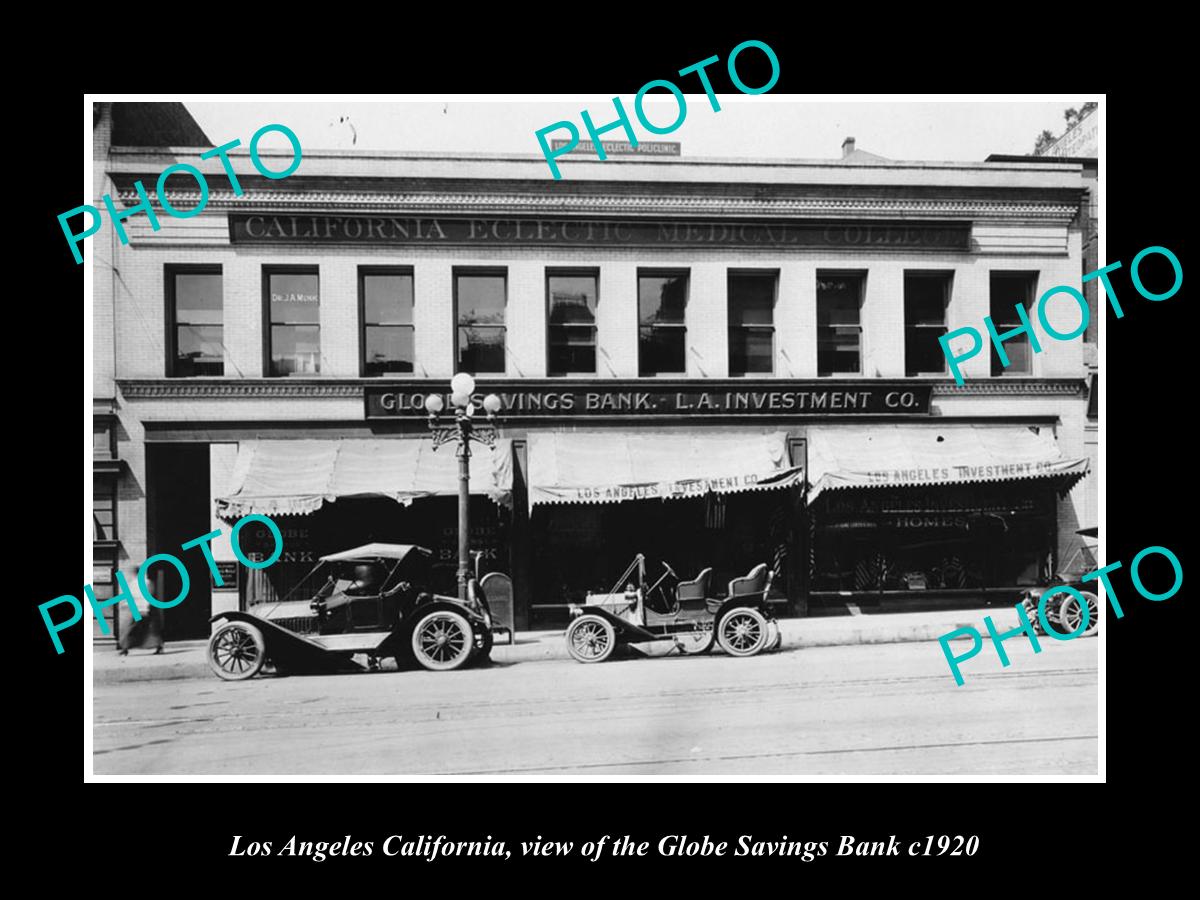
x=186 y=659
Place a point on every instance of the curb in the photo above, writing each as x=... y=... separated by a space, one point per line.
x=798 y=634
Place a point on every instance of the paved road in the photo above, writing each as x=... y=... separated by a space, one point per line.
x=857 y=710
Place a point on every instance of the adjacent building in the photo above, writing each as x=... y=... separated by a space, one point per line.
x=714 y=362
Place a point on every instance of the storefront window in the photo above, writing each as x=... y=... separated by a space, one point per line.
x=1010 y=289
x=387 y=316
x=752 y=322
x=926 y=295
x=662 y=333
x=572 y=323
x=480 y=299
x=194 y=314
x=294 y=333
x=933 y=538
x=839 y=323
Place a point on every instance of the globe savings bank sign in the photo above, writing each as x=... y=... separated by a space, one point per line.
x=617 y=399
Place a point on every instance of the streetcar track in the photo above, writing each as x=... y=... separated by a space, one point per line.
x=739 y=757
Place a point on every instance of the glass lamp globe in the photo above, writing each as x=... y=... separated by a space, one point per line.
x=434 y=404
x=462 y=383
x=492 y=404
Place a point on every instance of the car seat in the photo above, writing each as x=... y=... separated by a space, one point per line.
x=692 y=594
x=754 y=583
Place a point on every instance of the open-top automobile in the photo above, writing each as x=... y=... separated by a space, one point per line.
x=670 y=609
x=362 y=601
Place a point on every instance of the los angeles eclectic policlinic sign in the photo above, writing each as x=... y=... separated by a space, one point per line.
x=427 y=231
x=638 y=400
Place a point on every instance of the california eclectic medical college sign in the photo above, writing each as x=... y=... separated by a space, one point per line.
x=281 y=228
x=552 y=399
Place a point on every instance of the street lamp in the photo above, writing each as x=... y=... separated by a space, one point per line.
x=464 y=430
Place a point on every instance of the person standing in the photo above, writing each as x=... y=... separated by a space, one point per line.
x=146 y=633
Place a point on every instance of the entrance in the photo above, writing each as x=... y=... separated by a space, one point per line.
x=177 y=511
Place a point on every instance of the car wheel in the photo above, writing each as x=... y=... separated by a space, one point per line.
x=693 y=643
x=591 y=639
x=443 y=640
x=237 y=651
x=742 y=631
x=1070 y=613
x=1031 y=612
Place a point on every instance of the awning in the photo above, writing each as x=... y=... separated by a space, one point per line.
x=912 y=455
x=298 y=477
x=607 y=467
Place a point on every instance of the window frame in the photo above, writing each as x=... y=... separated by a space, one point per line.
x=110 y=489
x=572 y=272
x=363 y=273
x=267 y=272
x=861 y=275
x=730 y=274
x=669 y=272
x=946 y=276
x=455 y=273
x=1032 y=277
x=171 y=319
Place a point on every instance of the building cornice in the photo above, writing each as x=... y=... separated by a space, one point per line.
x=625 y=205
x=401 y=203
x=352 y=388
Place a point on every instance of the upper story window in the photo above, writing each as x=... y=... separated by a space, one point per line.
x=571 y=318
x=293 y=332
x=926 y=296
x=480 y=298
x=839 y=322
x=662 y=332
x=386 y=296
x=1008 y=290
x=752 y=322
x=195 y=313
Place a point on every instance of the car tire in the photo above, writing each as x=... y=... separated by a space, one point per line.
x=742 y=631
x=1031 y=612
x=1069 y=613
x=443 y=640
x=236 y=651
x=591 y=639
x=694 y=643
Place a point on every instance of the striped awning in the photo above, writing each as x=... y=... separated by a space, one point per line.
x=861 y=456
x=299 y=477
x=608 y=467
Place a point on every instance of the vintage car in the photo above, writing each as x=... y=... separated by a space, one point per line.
x=674 y=610
x=1063 y=611
x=360 y=601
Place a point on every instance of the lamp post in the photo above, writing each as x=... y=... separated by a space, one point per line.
x=464 y=430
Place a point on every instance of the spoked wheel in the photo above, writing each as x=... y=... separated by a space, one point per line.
x=742 y=631
x=1070 y=613
x=237 y=651
x=693 y=643
x=591 y=639
x=443 y=640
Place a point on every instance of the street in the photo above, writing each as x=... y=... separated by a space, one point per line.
x=886 y=709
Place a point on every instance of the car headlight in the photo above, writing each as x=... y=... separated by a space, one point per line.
x=574 y=609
